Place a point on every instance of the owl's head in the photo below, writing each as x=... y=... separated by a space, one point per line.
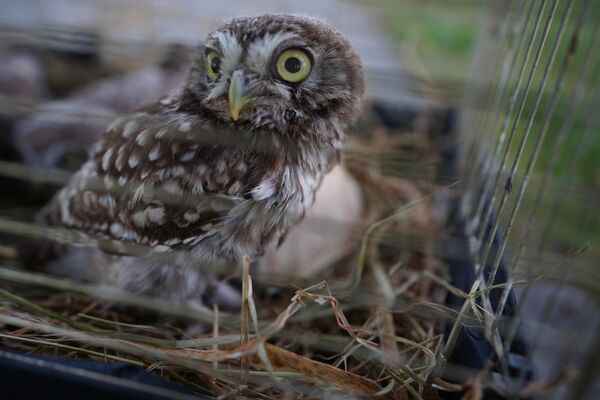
x=275 y=70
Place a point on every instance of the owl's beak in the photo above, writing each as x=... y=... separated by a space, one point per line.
x=239 y=97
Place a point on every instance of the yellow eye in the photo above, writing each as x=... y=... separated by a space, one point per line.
x=293 y=65
x=213 y=64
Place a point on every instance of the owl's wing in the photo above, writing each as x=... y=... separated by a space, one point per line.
x=162 y=178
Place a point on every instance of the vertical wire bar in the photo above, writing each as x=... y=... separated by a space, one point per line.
x=576 y=98
x=482 y=173
x=582 y=146
x=540 y=137
x=490 y=207
x=473 y=150
x=547 y=119
x=489 y=183
x=507 y=231
x=474 y=173
x=480 y=280
x=531 y=220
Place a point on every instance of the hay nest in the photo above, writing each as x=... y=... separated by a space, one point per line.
x=369 y=322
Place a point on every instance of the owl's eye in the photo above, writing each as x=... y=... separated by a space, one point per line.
x=213 y=64
x=293 y=65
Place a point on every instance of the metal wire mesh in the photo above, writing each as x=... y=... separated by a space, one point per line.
x=526 y=179
x=544 y=55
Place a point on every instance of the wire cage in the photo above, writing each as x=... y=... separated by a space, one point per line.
x=453 y=254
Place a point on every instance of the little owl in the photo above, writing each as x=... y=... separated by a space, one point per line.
x=223 y=168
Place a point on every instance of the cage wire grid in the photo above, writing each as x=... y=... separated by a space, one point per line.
x=556 y=39
x=533 y=84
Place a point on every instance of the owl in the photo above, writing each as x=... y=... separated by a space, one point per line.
x=225 y=166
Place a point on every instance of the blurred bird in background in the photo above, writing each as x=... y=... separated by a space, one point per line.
x=60 y=133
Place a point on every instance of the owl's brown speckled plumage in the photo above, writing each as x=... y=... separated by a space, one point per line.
x=230 y=163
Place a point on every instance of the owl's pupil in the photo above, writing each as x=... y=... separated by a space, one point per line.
x=292 y=65
x=215 y=64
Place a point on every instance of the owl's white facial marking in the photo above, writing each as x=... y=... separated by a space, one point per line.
x=231 y=51
x=256 y=63
x=230 y=55
x=262 y=50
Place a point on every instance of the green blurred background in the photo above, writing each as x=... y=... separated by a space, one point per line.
x=437 y=39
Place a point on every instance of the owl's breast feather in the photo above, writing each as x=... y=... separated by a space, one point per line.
x=235 y=201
